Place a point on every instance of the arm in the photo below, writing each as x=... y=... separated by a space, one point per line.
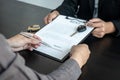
x=15 y=67
x=71 y=69
x=68 y=8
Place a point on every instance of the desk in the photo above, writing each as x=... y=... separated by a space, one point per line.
x=16 y=16
x=103 y=64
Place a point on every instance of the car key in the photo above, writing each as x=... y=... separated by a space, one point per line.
x=80 y=28
x=74 y=33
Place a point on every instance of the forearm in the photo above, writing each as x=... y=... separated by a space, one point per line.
x=70 y=70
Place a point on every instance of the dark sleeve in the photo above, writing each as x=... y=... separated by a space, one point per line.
x=117 y=26
x=68 y=7
x=12 y=67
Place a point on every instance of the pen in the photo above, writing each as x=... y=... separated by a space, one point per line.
x=27 y=35
x=30 y=36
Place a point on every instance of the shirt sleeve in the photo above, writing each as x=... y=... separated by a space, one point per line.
x=12 y=67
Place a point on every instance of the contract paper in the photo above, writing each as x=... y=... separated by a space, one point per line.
x=56 y=36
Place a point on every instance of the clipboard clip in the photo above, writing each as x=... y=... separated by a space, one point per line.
x=75 y=20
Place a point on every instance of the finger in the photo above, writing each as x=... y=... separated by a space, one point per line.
x=72 y=49
x=35 y=42
x=85 y=45
x=34 y=39
x=50 y=18
x=31 y=41
x=32 y=36
x=89 y=24
x=73 y=46
x=95 y=20
x=37 y=37
x=99 y=29
x=30 y=48
x=35 y=45
x=97 y=25
x=45 y=20
x=98 y=35
x=98 y=32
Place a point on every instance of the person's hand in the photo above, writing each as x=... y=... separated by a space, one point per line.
x=80 y=53
x=101 y=27
x=19 y=42
x=51 y=16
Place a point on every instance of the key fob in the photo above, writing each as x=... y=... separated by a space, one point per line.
x=81 y=28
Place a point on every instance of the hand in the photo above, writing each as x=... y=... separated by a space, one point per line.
x=51 y=16
x=101 y=27
x=19 y=42
x=80 y=53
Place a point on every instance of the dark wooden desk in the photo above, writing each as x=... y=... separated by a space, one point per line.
x=103 y=64
x=16 y=16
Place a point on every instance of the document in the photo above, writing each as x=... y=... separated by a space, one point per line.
x=56 y=36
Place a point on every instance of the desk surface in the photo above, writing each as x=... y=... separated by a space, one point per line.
x=103 y=64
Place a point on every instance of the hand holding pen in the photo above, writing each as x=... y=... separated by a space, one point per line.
x=23 y=41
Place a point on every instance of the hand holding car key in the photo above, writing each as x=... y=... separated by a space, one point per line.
x=80 y=28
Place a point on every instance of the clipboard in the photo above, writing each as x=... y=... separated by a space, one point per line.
x=56 y=37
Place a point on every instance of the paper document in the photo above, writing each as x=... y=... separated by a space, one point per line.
x=56 y=36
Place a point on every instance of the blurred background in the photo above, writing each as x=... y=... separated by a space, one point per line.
x=50 y=4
